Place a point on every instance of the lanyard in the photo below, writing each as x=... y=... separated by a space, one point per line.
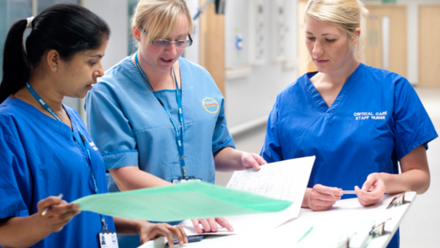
x=84 y=146
x=179 y=138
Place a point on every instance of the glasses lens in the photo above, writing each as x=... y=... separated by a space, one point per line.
x=161 y=43
x=181 y=43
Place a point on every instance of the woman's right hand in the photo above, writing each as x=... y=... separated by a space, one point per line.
x=58 y=213
x=321 y=197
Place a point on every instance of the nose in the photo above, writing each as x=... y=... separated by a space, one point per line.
x=171 y=49
x=317 y=49
x=100 y=71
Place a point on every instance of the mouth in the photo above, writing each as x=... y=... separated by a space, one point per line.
x=168 y=61
x=320 y=61
x=90 y=86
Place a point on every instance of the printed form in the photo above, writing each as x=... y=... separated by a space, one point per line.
x=285 y=180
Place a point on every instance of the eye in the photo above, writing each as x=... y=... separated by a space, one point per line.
x=92 y=63
x=330 y=40
x=180 y=42
x=310 y=38
x=161 y=43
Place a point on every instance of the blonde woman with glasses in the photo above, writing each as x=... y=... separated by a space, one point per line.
x=158 y=118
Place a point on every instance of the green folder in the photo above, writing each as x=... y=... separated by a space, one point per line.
x=190 y=200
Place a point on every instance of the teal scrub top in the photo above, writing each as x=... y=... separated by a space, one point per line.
x=131 y=128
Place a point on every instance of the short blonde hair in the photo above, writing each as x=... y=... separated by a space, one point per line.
x=158 y=17
x=346 y=14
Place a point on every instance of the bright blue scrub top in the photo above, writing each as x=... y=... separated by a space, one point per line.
x=130 y=127
x=39 y=158
x=376 y=120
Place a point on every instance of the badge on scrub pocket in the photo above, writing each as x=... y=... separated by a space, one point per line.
x=185 y=179
x=108 y=239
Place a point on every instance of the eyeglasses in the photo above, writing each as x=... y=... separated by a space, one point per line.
x=165 y=43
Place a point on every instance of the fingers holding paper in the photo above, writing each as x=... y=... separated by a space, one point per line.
x=321 y=197
x=150 y=231
x=252 y=160
x=211 y=225
x=372 y=191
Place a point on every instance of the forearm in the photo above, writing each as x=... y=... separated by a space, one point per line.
x=130 y=178
x=126 y=226
x=228 y=159
x=414 y=180
x=22 y=232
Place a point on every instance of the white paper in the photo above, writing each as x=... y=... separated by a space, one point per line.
x=285 y=180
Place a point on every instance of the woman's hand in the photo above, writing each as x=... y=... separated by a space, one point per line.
x=372 y=191
x=252 y=160
x=321 y=197
x=58 y=213
x=149 y=231
x=210 y=225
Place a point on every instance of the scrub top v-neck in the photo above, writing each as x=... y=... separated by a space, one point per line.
x=316 y=96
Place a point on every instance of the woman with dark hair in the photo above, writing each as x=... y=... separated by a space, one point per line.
x=45 y=147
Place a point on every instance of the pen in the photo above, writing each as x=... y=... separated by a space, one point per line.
x=47 y=209
x=305 y=234
x=349 y=192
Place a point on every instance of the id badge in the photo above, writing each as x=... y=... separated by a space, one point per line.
x=185 y=179
x=108 y=239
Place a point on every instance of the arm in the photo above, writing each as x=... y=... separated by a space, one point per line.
x=130 y=177
x=228 y=159
x=415 y=176
x=36 y=227
x=148 y=231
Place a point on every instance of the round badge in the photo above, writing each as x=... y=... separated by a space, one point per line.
x=210 y=105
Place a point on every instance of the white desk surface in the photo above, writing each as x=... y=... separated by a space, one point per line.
x=328 y=227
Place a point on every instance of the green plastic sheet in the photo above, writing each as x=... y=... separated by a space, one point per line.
x=190 y=200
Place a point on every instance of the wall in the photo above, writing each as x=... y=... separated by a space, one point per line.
x=250 y=98
x=412 y=33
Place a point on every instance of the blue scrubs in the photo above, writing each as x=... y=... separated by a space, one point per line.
x=39 y=158
x=131 y=128
x=374 y=122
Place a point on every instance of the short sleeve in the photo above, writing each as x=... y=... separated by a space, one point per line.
x=221 y=137
x=15 y=179
x=413 y=127
x=271 y=150
x=110 y=130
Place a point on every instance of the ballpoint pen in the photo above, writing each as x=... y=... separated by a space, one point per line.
x=47 y=209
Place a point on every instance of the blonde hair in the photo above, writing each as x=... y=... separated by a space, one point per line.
x=346 y=14
x=158 y=17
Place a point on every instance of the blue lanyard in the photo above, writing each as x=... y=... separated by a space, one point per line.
x=84 y=146
x=179 y=138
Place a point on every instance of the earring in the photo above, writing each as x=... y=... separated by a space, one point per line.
x=55 y=68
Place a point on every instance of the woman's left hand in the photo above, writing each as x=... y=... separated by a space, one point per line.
x=372 y=191
x=149 y=231
x=252 y=160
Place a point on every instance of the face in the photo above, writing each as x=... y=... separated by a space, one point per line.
x=77 y=75
x=329 y=47
x=162 y=58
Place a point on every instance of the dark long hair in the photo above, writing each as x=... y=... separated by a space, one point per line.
x=67 y=28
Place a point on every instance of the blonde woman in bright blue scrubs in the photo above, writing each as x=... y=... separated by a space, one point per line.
x=156 y=117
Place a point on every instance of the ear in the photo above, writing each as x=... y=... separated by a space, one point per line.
x=357 y=33
x=137 y=33
x=53 y=60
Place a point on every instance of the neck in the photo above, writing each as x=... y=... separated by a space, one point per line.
x=341 y=75
x=52 y=98
x=43 y=88
x=159 y=80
